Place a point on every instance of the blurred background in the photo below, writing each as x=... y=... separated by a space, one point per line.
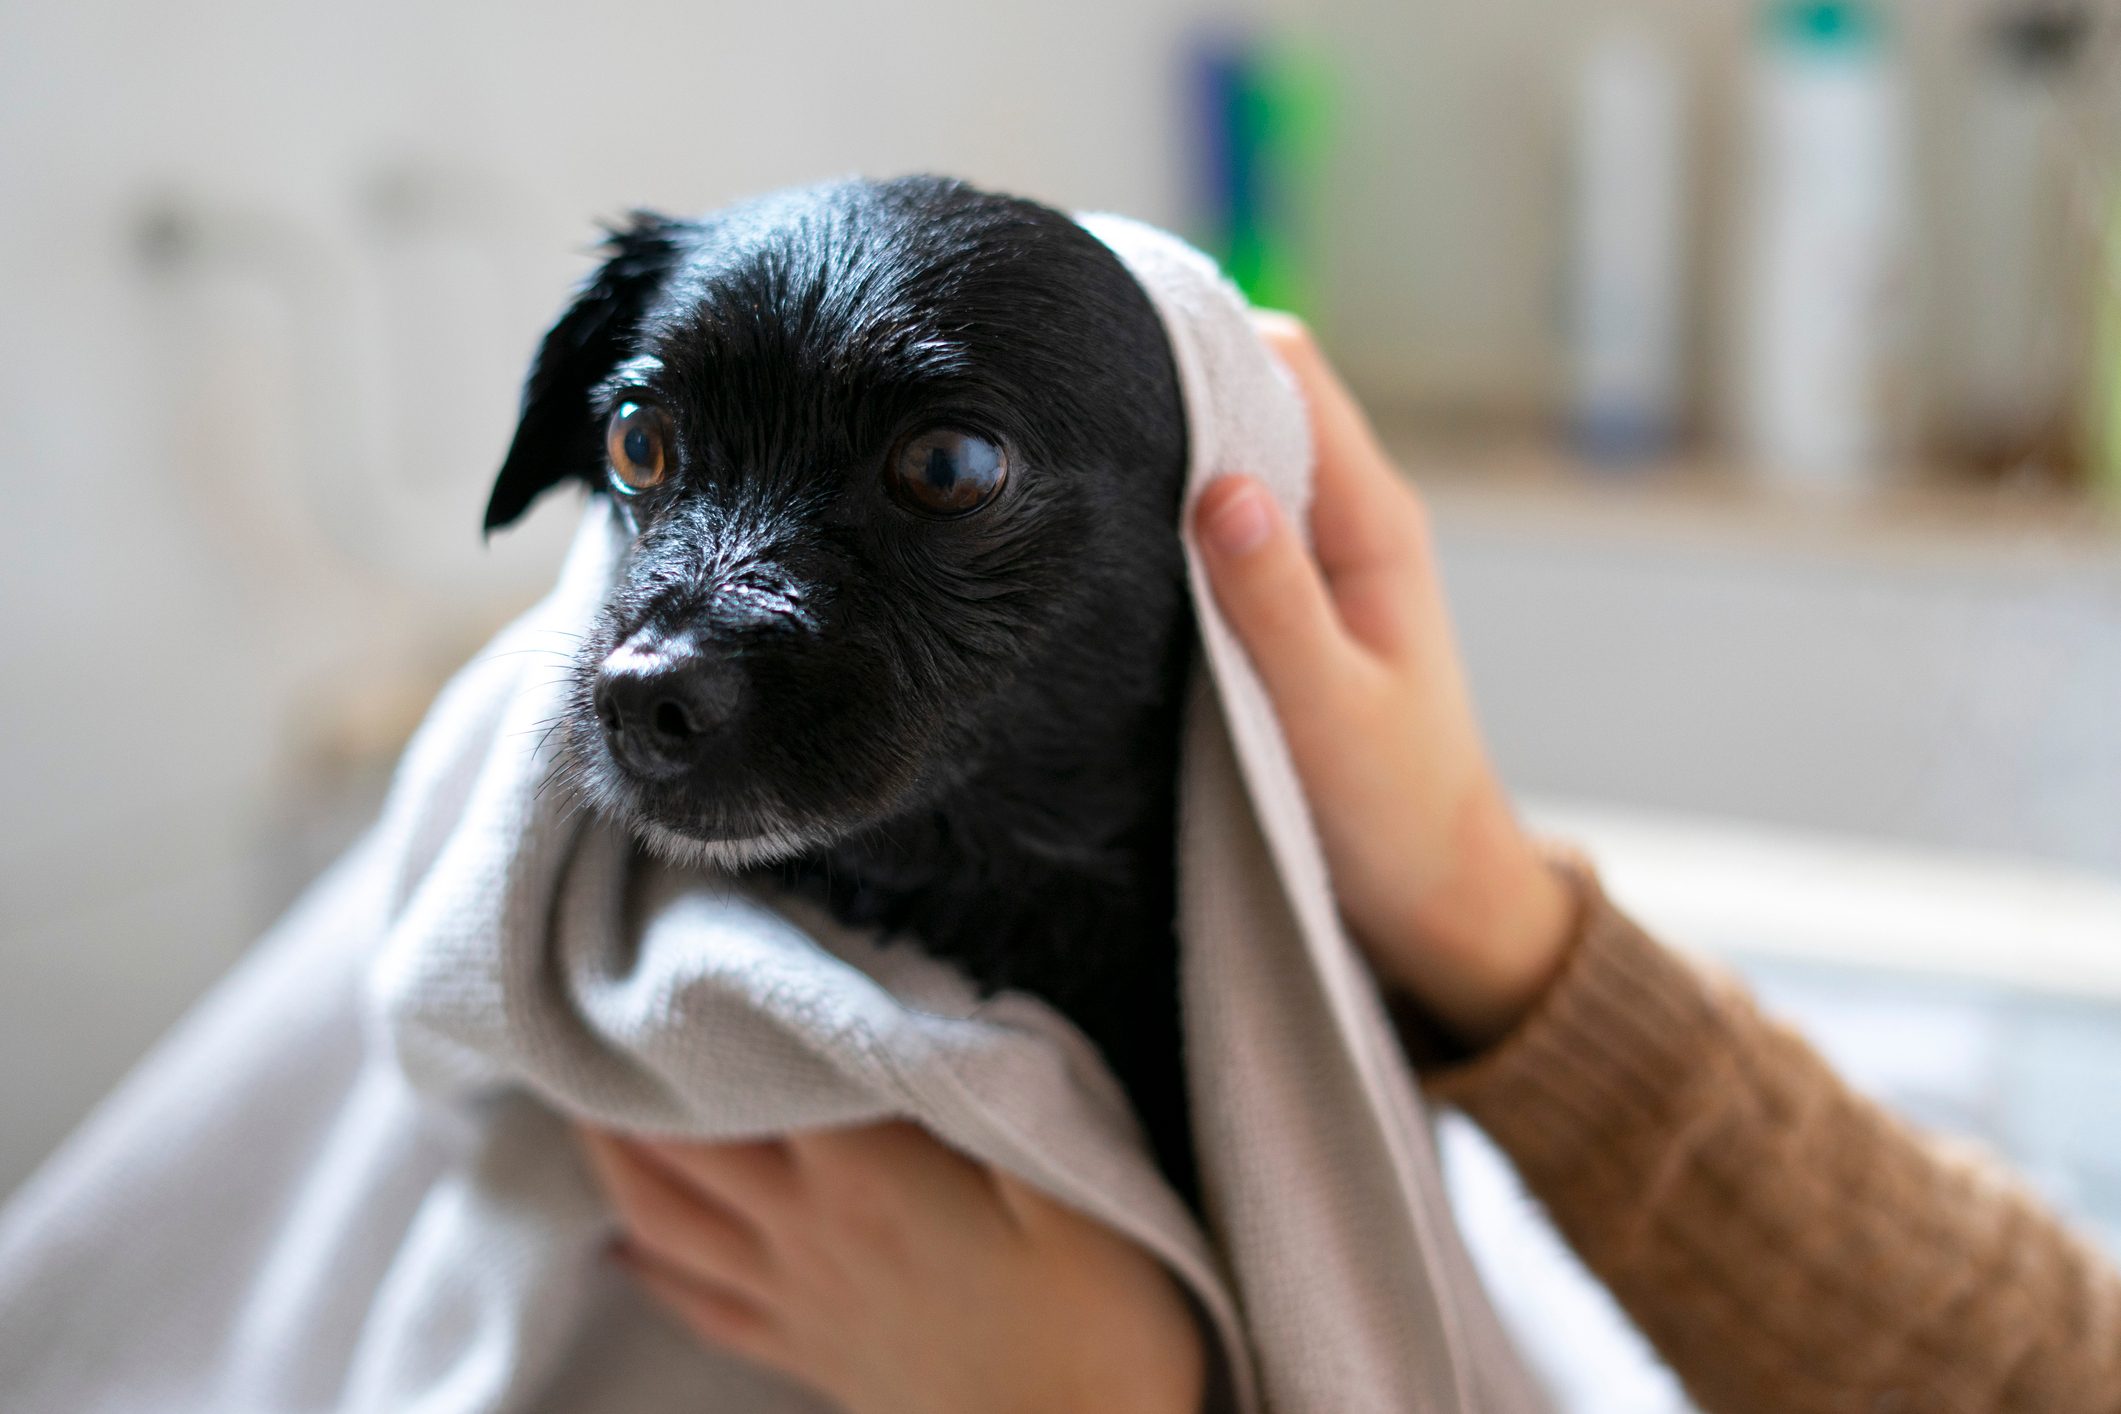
x=1761 y=362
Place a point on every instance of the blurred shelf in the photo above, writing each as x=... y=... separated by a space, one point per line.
x=1523 y=483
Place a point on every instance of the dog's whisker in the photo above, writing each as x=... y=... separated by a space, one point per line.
x=496 y=657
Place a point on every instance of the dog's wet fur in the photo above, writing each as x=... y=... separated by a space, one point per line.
x=962 y=728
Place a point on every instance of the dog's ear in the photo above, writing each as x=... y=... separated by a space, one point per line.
x=555 y=436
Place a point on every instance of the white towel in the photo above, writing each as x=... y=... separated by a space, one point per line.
x=345 y=1183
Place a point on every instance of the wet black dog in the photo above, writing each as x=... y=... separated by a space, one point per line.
x=904 y=620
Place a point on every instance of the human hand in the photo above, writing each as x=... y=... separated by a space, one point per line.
x=1437 y=881
x=895 y=1276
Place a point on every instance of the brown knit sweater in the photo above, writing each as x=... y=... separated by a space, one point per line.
x=1787 y=1245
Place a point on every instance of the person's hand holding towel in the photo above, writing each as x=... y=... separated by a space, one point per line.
x=895 y=1276
x=1452 y=902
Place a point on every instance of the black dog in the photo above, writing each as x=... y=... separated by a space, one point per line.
x=904 y=620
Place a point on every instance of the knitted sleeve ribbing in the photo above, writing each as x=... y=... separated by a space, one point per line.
x=1786 y=1244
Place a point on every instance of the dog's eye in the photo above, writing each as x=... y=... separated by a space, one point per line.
x=944 y=472
x=638 y=442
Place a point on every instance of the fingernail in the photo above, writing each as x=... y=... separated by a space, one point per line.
x=1241 y=523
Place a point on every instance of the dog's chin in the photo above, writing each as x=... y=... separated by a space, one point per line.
x=674 y=825
x=729 y=827
x=726 y=856
x=726 y=840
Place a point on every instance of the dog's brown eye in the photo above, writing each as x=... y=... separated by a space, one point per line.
x=944 y=472
x=638 y=443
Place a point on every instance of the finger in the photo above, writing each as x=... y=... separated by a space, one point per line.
x=885 y=1163
x=1355 y=467
x=683 y=1228
x=1368 y=527
x=756 y=1178
x=1029 y=1208
x=899 y=1143
x=718 y=1317
x=1272 y=594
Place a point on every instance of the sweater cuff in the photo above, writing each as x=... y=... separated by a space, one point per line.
x=1607 y=1065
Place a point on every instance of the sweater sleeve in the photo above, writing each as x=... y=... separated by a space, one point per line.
x=1787 y=1245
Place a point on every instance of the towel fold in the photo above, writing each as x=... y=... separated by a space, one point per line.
x=345 y=1182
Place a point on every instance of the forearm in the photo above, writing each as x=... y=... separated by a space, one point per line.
x=1785 y=1244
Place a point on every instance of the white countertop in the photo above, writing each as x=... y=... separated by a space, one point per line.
x=1748 y=890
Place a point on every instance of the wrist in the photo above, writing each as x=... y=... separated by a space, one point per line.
x=1484 y=941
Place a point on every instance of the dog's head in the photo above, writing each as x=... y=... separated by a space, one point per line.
x=902 y=464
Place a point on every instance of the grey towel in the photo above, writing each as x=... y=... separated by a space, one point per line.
x=345 y=1183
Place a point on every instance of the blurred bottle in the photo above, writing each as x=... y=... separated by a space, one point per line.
x=1260 y=135
x=1627 y=265
x=2104 y=396
x=1823 y=271
x=2010 y=407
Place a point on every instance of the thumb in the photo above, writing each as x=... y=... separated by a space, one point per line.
x=1270 y=590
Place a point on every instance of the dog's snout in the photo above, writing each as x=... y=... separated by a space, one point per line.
x=665 y=702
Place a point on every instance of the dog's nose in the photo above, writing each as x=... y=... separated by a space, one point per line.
x=664 y=702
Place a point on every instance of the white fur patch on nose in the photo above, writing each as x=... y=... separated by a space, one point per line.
x=633 y=656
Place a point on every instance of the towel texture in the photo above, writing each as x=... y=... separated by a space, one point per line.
x=345 y=1183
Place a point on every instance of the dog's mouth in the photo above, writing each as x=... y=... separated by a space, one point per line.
x=659 y=741
x=688 y=823
x=732 y=855
x=722 y=812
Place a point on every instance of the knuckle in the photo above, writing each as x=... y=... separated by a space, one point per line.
x=1276 y=604
x=863 y=1207
x=1280 y=619
x=1280 y=626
